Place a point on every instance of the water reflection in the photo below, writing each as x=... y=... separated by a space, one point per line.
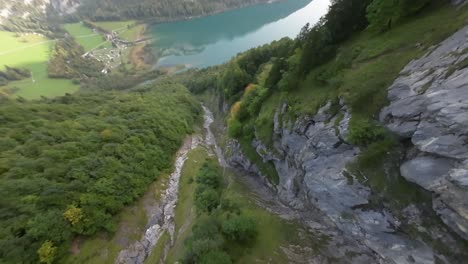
x=215 y=39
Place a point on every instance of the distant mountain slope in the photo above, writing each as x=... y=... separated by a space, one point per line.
x=37 y=15
x=160 y=10
x=33 y=15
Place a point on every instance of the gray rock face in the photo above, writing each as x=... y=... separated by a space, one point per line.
x=310 y=160
x=429 y=106
x=65 y=7
x=426 y=171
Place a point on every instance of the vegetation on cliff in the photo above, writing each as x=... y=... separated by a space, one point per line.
x=353 y=53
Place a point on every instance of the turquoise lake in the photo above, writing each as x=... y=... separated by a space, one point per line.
x=213 y=40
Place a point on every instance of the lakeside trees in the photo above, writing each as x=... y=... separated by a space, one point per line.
x=163 y=10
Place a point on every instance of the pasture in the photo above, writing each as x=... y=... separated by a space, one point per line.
x=31 y=52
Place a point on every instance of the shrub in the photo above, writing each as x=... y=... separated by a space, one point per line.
x=234 y=128
x=47 y=252
x=364 y=132
x=215 y=257
x=240 y=229
x=209 y=176
x=375 y=152
x=207 y=200
x=230 y=206
x=206 y=237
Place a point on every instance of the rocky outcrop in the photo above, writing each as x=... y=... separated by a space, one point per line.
x=37 y=10
x=310 y=157
x=65 y=7
x=429 y=107
x=428 y=110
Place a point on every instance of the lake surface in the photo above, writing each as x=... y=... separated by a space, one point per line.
x=215 y=39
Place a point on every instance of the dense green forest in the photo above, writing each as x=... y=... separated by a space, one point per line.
x=67 y=62
x=13 y=74
x=68 y=165
x=162 y=10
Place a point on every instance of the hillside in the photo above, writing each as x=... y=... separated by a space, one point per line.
x=157 y=11
x=43 y=16
x=308 y=117
x=69 y=165
x=34 y=16
x=347 y=144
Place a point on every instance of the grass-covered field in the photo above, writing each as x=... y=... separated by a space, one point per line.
x=364 y=68
x=115 y=25
x=374 y=62
x=127 y=30
x=273 y=232
x=31 y=52
x=86 y=37
x=133 y=33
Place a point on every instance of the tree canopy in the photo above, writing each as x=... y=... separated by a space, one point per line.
x=68 y=165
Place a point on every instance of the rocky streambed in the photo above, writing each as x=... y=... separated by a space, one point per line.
x=161 y=215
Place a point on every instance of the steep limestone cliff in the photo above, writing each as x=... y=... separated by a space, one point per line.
x=429 y=103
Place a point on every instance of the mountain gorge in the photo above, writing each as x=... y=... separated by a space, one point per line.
x=347 y=144
x=389 y=174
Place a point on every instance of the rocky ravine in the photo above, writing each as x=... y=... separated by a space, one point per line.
x=429 y=106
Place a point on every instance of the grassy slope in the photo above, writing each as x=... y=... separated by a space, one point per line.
x=364 y=68
x=372 y=64
x=133 y=33
x=375 y=61
x=86 y=36
x=31 y=52
x=273 y=232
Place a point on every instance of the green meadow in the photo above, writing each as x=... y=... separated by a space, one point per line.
x=132 y=33
x=122 y=27
x=31 y=52
x=86 y=37
x=115 y=25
